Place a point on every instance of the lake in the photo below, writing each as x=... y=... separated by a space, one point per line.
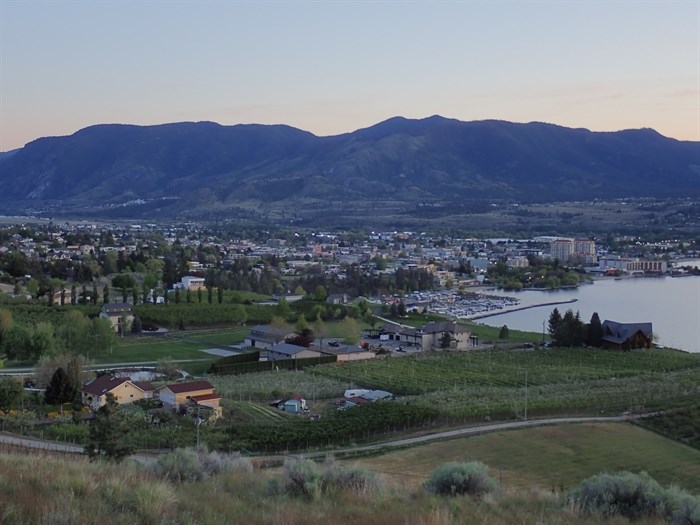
x=671 y=304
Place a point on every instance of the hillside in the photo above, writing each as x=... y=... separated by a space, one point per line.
x=399 y=164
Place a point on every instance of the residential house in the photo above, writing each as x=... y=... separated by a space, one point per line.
x=94 y=393
x=625 y=336
x=119 y=314
x=191 y=282
x=179 y=394
x=337 y=298
x=431 y=335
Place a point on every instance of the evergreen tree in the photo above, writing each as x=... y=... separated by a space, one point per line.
x=401 y=309
x=94 y=293
x=188 y=295
x=504 y=333
x=134 y=296
x=446 y=341
x=199 y=295
x=210 y=295
x=109 y=433
x=73 y=294
x=595 y=331
x=60 y=389
x=136 y=326
x=177 y=296
x=220 y=294
x=105 y=294
x=553 y=323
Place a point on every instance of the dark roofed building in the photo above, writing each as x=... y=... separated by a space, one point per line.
x=625 y=336
x=264 y=337
x=118 y=314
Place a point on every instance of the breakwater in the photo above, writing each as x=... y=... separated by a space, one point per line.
x=518 y=308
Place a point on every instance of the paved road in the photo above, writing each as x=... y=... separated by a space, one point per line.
x=19 y=441
x=448 y=434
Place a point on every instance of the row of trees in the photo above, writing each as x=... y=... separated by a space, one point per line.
x=569 y=330
x=75 y=335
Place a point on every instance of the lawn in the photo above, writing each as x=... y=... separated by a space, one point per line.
x=552 y=457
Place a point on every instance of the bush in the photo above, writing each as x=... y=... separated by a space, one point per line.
x=450 y=479
x=187 y=464
x=683 y=507
x=359 y=481
x=304 y=477
x=625 y=493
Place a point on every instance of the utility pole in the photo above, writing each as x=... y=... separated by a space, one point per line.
x=542 y=332
x=525 y=394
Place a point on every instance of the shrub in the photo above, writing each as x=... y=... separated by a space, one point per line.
x=182 y=464
x=307 y=478
x=450 y=479
x=625 y=493
x=359 y=481
x=187 y=464
x=683 y=507
x=304 y=477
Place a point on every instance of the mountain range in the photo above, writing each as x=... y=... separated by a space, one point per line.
x=193 y=168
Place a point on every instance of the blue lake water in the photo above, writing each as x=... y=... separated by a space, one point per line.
x=671 y=304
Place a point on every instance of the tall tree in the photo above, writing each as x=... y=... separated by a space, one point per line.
x=595 y=331
x=105 y=294
x=109 y=433
x=446 y=341
x=350 y=330
x=554 y=322
x=504 y=333
x=220 y=294
x=60 y=389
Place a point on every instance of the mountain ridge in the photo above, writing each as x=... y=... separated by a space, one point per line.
x=403 y=161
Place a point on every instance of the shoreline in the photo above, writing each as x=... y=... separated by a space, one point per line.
x=519 y=308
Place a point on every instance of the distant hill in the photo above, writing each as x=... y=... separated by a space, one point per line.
x=188 y=168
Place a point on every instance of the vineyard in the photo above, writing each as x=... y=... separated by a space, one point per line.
x=265 y=386
x=422 y=374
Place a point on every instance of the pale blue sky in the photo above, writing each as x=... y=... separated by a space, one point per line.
x=332 y=67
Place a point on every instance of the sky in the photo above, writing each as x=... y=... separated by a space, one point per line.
x=331 y=67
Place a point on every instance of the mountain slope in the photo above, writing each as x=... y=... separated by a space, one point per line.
x=407 y=161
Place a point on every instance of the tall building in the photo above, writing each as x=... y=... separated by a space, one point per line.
x=561 y=249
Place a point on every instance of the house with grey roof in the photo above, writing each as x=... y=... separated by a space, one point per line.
x=264 y=337
x=625 y=336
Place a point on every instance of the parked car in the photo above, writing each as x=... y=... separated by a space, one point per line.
x=333 y=343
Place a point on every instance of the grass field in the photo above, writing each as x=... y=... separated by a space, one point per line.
x=183 y=345
x=552 y=457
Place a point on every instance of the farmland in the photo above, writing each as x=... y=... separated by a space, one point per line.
x=495 y=383
x=556 y=457
x=264 y=386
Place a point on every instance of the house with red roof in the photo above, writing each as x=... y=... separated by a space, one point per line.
x=94 y=393
x=196 y=394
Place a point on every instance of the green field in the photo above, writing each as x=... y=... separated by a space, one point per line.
x=176 y=346
x=559 y=381
x=552 y=457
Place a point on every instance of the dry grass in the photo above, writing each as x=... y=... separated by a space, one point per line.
x=54 y=491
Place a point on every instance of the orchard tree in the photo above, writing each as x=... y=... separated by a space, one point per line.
x=10 y=390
